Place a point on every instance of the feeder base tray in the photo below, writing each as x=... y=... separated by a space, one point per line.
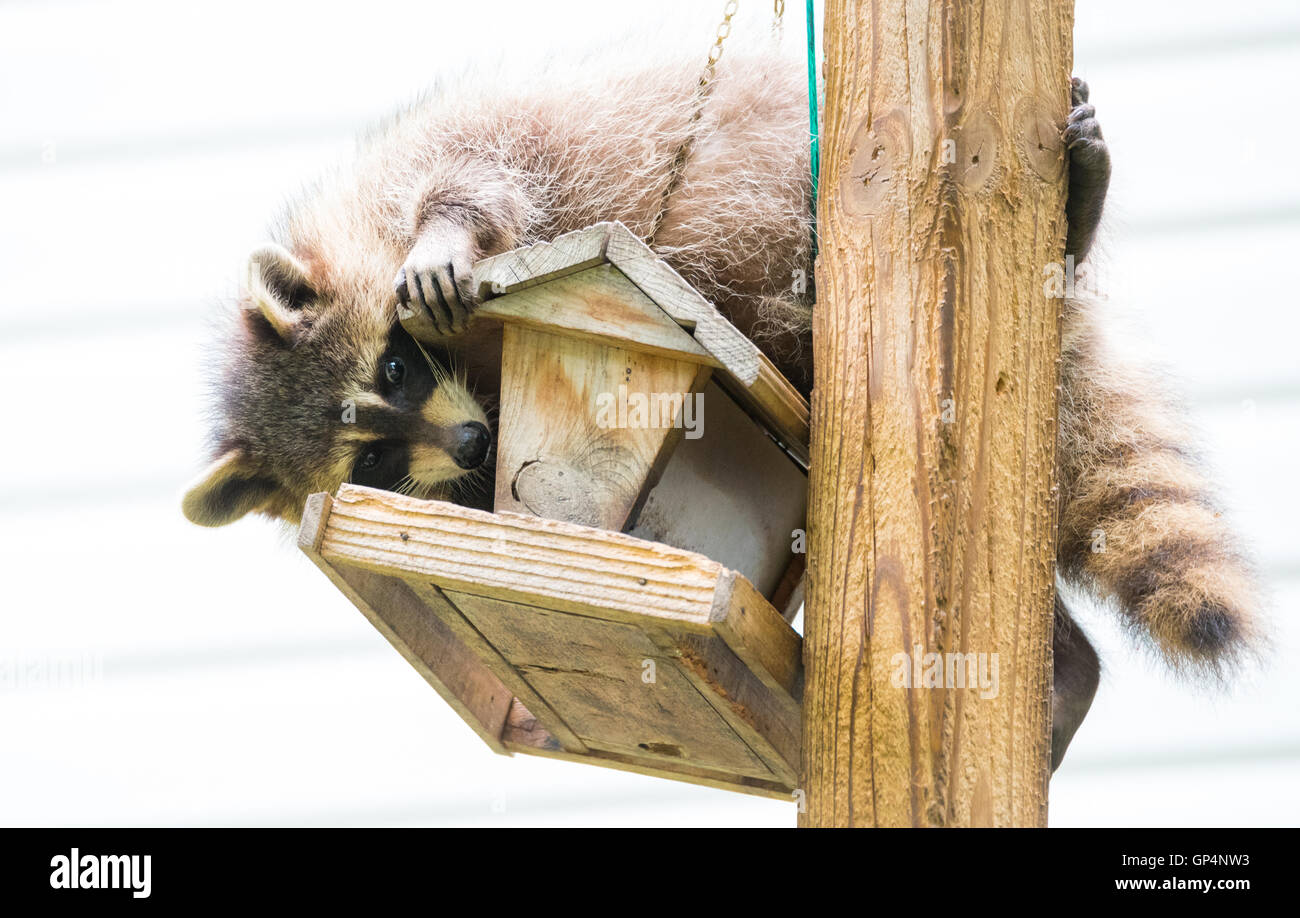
x=556 y=639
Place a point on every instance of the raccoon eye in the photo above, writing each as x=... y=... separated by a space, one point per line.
x=394 y=371
x=370 y=459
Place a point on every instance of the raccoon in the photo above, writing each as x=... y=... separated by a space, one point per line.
x=321 y=384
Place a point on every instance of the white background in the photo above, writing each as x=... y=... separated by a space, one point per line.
x=143 y=146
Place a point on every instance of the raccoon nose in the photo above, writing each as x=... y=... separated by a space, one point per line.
x=471 y=445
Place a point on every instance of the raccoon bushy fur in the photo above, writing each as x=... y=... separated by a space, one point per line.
x=718 y=185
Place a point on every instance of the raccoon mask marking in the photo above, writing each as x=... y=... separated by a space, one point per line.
x=321 y=387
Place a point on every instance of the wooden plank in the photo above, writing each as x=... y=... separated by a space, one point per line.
x=445 y=607
x=758 y=634
x=657 y=279
x=455 y=673
x=789 y=602
x=524 y=729
x=777 y=404
x=532 y=743
x=751 y=377
x=521 y=558
x=601 y=304
x=565 y=677
x=617 y=689
x=932 y=509
x=570 y=449
x=788 y=595
x=768 y=723
x=615 y=244
x=535 y=264
x=754 y=380
x=524 y=733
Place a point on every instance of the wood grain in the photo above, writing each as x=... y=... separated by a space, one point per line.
x=766 y=721
x=536 y=264
x=521 y=558
x=594 y=672
x=750 y=376
x=754 y=631
x=931 y=494
x=556 y=457
x=533 y=742
x=598 y=304
x=615 y=244
x=447 y=608
x=777 y=405
x=563 y=640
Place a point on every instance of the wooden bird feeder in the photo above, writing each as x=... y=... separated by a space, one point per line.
x=628 y=601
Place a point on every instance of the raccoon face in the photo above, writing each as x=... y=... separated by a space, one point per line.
x=420 y=428
x=321 y=386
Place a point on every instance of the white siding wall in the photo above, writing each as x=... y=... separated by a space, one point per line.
x=143 y=146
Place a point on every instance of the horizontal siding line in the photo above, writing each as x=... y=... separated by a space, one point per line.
x=1271 y=392
x=1282 y=573
x=28 y=155
x=1143 y=52
x=62 y=322
x=189 y=659
x=54 y=319
x=1266 y=393
x=65 y=323
x=1182 y=758
x=1253 y=217
x=168 y=485
x=105 y=494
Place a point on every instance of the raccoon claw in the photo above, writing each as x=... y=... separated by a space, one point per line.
x=1083 y=138
x=436 y=282
x=1078 y=92
x=404 y=310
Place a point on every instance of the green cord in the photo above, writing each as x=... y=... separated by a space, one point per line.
x=812 y=115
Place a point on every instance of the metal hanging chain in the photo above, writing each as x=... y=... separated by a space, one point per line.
x=701 y=97
x=724 y=29
x=702 y=94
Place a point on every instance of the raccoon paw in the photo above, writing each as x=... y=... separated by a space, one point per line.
x=436 y=283
x=1083 y=138
x=1089 y=171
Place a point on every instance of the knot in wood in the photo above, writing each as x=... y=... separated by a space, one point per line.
x=870 y=178
x=1038 y=135
x=557 y=491
x=977 y=150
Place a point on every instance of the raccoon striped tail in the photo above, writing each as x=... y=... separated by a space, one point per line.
x=1139 y=521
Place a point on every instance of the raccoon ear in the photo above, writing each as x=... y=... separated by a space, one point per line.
x=230 y=488
x=278 y=287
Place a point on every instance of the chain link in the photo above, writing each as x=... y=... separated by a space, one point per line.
x=778 y=20
x=724 y=29
x=701 y=96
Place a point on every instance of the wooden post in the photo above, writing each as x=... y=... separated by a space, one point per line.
x=932 y=513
